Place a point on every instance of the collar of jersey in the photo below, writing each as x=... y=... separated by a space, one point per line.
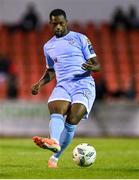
x=63 y=36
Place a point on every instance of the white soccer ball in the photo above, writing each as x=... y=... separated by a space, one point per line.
x=84 y=155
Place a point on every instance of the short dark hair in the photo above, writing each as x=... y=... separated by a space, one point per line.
x=57 y=12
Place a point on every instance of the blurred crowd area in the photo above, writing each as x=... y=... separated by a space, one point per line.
x=116 y=43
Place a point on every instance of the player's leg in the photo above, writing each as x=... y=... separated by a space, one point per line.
x=75 y=114
x=57 y=111
x=58 y=108
x=56 y=125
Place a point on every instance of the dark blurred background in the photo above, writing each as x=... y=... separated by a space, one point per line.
x=113 y=28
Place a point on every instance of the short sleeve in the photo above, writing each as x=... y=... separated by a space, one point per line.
x=49 y=61
x=87 y=48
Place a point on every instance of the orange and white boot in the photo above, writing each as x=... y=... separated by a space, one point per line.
x=47 y=143
x=52 y=163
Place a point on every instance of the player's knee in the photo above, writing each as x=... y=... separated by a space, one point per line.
x=53 y=108
x=73 y=119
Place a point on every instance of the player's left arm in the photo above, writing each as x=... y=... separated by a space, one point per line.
x=92 y=64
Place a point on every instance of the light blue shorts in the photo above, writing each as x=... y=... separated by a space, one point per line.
x=75 y=91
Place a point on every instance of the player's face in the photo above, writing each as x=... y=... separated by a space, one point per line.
x=59 y=25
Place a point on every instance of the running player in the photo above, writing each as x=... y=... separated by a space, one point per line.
x=70 y=58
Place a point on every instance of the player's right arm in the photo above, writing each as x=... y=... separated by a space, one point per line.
x=48 y=75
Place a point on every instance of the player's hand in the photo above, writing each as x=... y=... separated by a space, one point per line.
x=87 y=66
x=91 y=65
x=36 y=88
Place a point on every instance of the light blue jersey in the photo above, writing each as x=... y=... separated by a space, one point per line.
x=67 y=54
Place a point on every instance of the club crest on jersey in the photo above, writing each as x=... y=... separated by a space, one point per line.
x=71 y=41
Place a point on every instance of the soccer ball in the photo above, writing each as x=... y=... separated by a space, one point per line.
x=84 y=155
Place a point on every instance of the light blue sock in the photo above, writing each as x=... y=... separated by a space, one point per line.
x=66 y=137
x=56 y=126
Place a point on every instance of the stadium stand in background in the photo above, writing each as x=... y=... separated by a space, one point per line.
x=117 y=51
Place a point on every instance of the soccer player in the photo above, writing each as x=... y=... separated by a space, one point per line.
x=71 y=59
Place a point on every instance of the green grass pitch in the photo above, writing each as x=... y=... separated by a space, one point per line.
x=116 y=158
